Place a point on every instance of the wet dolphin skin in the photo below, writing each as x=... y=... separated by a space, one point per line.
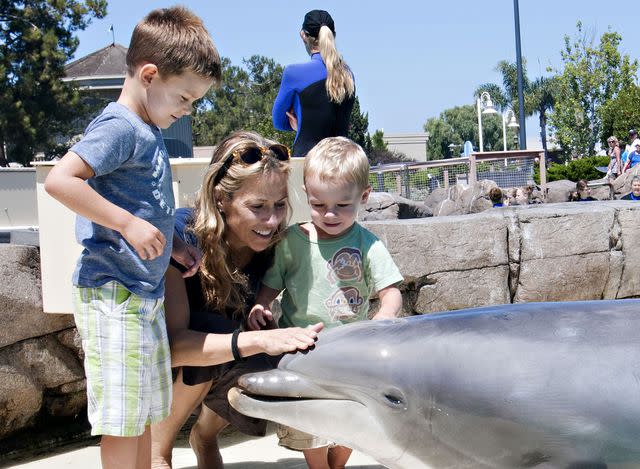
x=547 y=385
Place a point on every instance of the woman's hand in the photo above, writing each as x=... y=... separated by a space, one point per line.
x=259 y=317
x=278 y=341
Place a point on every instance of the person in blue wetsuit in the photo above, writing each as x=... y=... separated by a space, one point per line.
x=315 y=98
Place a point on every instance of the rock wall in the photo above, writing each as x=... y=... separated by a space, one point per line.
x=550 y=252
x=40 y=369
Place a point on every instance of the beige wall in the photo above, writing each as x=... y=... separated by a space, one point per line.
x=18 y=206
x=412 y=145
x=59 y=250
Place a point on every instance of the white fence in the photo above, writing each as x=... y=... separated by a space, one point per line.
x=417 y=180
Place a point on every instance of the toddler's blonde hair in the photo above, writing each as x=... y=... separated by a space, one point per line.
x=338 y=160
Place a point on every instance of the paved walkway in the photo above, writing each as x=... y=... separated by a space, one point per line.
x=238 y=452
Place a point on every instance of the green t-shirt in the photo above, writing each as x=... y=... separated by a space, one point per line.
x=330 y=280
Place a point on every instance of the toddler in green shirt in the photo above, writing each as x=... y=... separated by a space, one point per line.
x=328 y=268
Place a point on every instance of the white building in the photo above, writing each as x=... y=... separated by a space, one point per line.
x=413 y=145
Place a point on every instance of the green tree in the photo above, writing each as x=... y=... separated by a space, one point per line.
x=36 y=40
x=506 y=96
x=243 y=102
x=539 y=96
x=457 y=125
x=377 y=141
x=359 y=127
x=583 y=168
x=592 y=75
x=621 y=114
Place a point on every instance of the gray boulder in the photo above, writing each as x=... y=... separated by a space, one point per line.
x=386 y=206
x=21 y=312
x=20 y=399
x=559 y=191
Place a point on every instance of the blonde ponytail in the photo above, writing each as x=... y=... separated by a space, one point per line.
x=340 y=83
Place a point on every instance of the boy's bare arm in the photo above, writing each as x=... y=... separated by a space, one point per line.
x=390 y=303
x=66 y=183
x=260 y=315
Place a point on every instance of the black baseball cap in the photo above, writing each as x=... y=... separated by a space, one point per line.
x=633 y=132
x=314 y=20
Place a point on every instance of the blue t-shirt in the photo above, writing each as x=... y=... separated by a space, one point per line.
x=634 y=159
x=131 y=167
x=623 y=157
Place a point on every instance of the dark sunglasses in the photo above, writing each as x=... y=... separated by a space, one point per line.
x=251 y=155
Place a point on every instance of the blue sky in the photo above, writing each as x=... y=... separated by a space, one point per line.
x=412 y=58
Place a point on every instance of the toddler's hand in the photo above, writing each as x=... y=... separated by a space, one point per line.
x=146 y=239
x=259 y=317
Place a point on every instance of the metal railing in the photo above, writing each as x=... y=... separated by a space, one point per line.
x=417 y=180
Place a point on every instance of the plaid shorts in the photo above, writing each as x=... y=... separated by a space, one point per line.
x=127 y=359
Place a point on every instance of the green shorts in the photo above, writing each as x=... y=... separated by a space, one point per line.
x=127 y=359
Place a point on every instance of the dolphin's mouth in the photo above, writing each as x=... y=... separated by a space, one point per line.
x=274 y=399
x=270 y=392
x=294 y=400
x=279 y=385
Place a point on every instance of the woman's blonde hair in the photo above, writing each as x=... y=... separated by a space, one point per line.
x=224 y=286
x=338 y=160
x=613 y=139
x=339 y=83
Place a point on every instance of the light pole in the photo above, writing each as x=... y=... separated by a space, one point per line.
x=509 y=116
x=485 y=106
x=516 y=20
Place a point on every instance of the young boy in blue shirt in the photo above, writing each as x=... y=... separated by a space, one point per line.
x=118 y=180
x=329 y=267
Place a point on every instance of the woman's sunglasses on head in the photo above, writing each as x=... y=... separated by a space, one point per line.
x=252 y=155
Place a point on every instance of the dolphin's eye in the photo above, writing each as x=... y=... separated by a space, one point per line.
x=394 y=398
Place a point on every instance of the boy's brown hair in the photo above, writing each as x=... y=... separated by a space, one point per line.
x=175 y=40
x=495 y=195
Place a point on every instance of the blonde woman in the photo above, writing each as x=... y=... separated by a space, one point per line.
x=615 y=165
x=315 y=98
x=240 y=213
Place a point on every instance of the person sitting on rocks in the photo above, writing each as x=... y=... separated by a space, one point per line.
x=497 y=197
x=582 y=193
x=635 y=190
x=633 y=158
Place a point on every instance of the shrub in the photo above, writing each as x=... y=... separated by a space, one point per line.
x=583 y=168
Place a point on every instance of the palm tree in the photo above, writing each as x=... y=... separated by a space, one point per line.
x=539 y=95
x=541 y=98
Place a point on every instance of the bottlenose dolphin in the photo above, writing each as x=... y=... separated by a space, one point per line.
x=553 y=385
